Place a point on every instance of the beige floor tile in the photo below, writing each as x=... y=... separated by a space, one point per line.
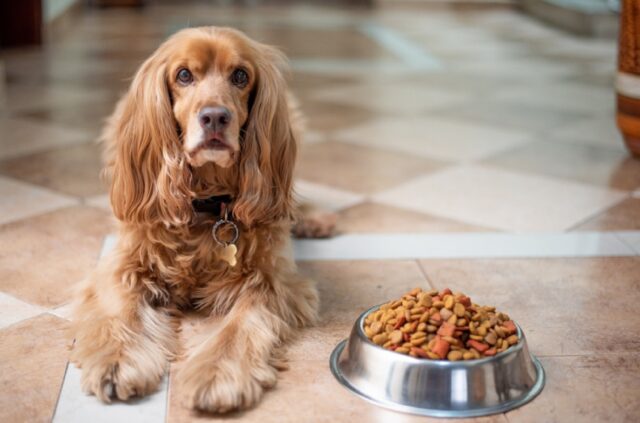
x=21 y=200
x=438 y=138
x=306 y=82
x=313 y=137
x=332 y=116
x=44 y=96
x=325 y=197
x=337 y=43
x=562 y=96
x=599 y=166
x=493 y=49
x=564 y=306
x=71 y=170
x=595 y=388
x=600 y=131
x=527 y=117
x=359 y=169
x=397 y=99
x=624 y=216
x=370 y=217
x=501 y=199
x=22 y=136
x=89 y=116
x=41 y=258
x=33 y=358
x=101 y=201
x=517 y=70
x=308 y=389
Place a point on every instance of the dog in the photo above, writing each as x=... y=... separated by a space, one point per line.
x=200 y=156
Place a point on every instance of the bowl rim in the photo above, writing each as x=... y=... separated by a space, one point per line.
x=440 y=413
x=441 y=362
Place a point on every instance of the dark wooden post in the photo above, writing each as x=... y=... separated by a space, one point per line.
x=20 y=22
x=628 y=80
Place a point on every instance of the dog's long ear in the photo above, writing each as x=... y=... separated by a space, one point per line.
x=149 y=174
x=268 y=149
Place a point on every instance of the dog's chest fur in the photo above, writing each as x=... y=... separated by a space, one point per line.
x=185 y=268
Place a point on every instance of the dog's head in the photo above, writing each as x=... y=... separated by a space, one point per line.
x=206 y=97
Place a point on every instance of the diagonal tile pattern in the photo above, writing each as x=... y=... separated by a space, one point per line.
x=360 y=170
x=43 y=256
x=21 y=200
x=13 y=310
x=73 y=170
x=22 y=136
x=599 y=166
x=500 y=199
x=439 y=138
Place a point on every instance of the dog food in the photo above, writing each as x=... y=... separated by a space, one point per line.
x=440 y=326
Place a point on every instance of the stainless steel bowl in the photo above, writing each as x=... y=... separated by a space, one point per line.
x=436 y=388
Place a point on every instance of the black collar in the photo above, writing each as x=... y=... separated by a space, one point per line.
x=212 y=205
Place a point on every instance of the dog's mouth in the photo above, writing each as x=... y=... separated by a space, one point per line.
x=215 y=143
x=214 y=148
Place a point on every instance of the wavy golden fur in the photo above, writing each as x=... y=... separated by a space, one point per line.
x=160 y=156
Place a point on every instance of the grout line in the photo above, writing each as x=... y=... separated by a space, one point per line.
x=598 y=212
x=424 y=273
x=64 y=376
x=168 y=394
x=618 y=235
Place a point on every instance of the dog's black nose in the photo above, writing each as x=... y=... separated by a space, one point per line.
x=214 y=118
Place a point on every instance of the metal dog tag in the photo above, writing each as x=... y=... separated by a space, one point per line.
x=230 y=250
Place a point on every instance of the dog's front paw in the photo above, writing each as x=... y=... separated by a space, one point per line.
x=315 y=224
x=118 y=379
x=225 y=385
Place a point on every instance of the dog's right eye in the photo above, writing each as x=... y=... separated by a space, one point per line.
x=184 y=76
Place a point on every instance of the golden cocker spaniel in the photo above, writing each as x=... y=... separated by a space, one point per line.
x=200 y=155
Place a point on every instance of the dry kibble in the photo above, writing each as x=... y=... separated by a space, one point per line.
x=491 y=338
x=448 y=302
x=380 y=338
x=446 y=313
x=396 y=337
x=375 y=327
x=439 y=325
x=454 y=356
x=459 y=310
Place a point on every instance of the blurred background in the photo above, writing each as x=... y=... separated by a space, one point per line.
x=501 y=114
x=423 y=117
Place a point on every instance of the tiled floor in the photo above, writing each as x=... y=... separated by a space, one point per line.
x=446 y=139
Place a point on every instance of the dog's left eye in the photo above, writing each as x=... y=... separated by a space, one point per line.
x=184 y=76
x=240 y=78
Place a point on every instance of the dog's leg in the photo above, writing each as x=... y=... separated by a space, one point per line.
x=233 y=367
x=122 y=344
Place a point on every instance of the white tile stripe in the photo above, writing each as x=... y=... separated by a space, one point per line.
x=75 y=406
x=464 y=245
